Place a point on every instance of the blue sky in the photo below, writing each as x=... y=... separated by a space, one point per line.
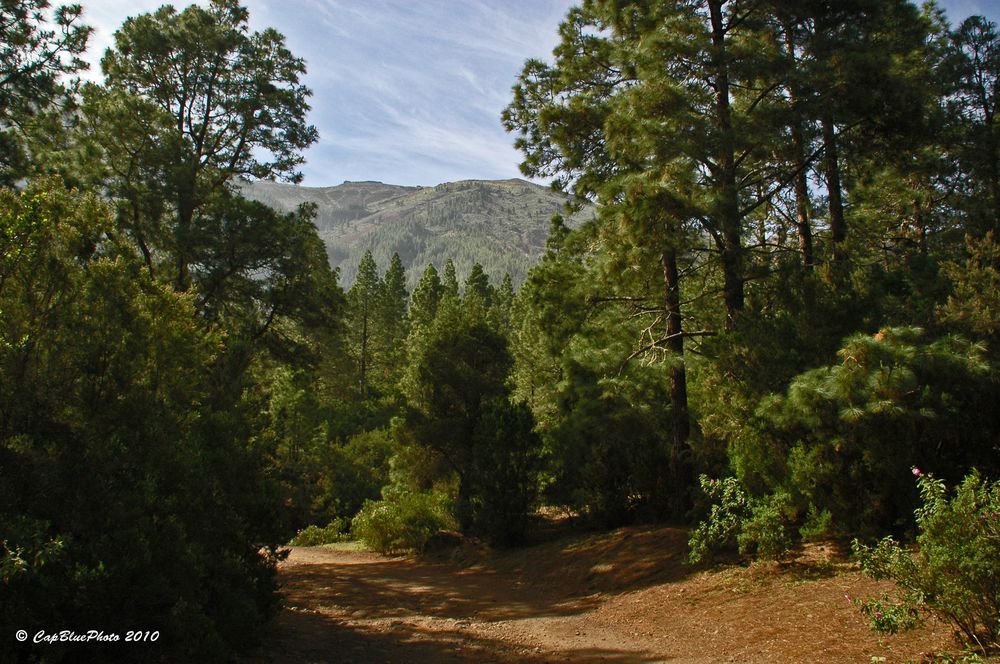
x=409 y=91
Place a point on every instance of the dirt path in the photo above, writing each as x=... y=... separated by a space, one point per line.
x=620 y=597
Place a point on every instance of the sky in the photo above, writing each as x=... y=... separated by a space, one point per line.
x=408 y=92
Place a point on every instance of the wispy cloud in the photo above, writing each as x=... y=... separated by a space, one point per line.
x=404 y=92
x=411 y=92
x=408 y=91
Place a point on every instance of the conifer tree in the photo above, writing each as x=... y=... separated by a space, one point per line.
x=624 y=115
x=478 y=296
x=450 y=280
x=847 y=80
x=976 y=45
x=500 y=314
x=363 y=301
x=192 y=101
x=33 y=58
x=392 y=321
x=460 y=412
x=425 y=299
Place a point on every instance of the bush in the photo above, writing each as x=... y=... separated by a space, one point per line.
x=352 y=473
x=843 y=437
x=606 y=456
x=737 y=521
x=718 y=532
x=335 y=531
x=956 y=572
x=402 y=521
x=130 y=497
x=503 y=481
x=765 y=533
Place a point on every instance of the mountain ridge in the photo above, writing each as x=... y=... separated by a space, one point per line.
x=501 y=224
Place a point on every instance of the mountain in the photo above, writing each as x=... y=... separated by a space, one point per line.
x=501 y=224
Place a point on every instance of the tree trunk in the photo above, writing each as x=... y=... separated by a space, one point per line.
x=727 y=208
x=364 y=350
x=802 y=223
x=182 y=238
x=831 y=161
x=681 y=474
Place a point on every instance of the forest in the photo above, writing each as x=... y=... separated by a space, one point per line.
x=782 y=325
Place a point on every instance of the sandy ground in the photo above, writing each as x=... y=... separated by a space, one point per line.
x=624 y=596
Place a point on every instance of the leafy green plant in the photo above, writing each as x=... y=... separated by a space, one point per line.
x=819 y=524
x=846 y=434
x=402 y=520
x=765 y=533
x=886 y=616
x=336 y=531
x=741 y=522
x=956 y=571
x=504 y=475
x=123 y=462
x=730 y=507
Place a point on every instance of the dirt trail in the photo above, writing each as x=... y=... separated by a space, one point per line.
x=620 y=597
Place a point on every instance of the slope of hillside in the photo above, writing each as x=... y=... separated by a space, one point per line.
x=501 y=224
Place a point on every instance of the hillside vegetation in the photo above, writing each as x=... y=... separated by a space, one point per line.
x=500 y=224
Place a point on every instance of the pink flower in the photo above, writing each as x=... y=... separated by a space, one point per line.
x=878 y=614
x=916 y=471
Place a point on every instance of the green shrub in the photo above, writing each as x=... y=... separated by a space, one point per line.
x=352 y=473
x=887 y=616
x=503 y=481
x=765 y=533
x=719 y=531
x=402 y=520
x=956 y=571
x=130 y=496
x=818 y=525
x=335 y=531
x=842 y=437
x=606 y=452
x=737 y=521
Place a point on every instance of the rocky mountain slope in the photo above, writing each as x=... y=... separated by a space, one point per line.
x=501 y=224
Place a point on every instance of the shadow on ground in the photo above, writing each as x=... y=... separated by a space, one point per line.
x=303 y=637
x=359 y=607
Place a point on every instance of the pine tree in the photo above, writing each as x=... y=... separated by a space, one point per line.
x=500 y=314
x=478 y=296
x=392 y=322
x=363 y=300
x=425 y=299
x=976 y=48
x=624 y=115
x=192 y=101
x=33 y=59
x=848 y=88
x=450 y=280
